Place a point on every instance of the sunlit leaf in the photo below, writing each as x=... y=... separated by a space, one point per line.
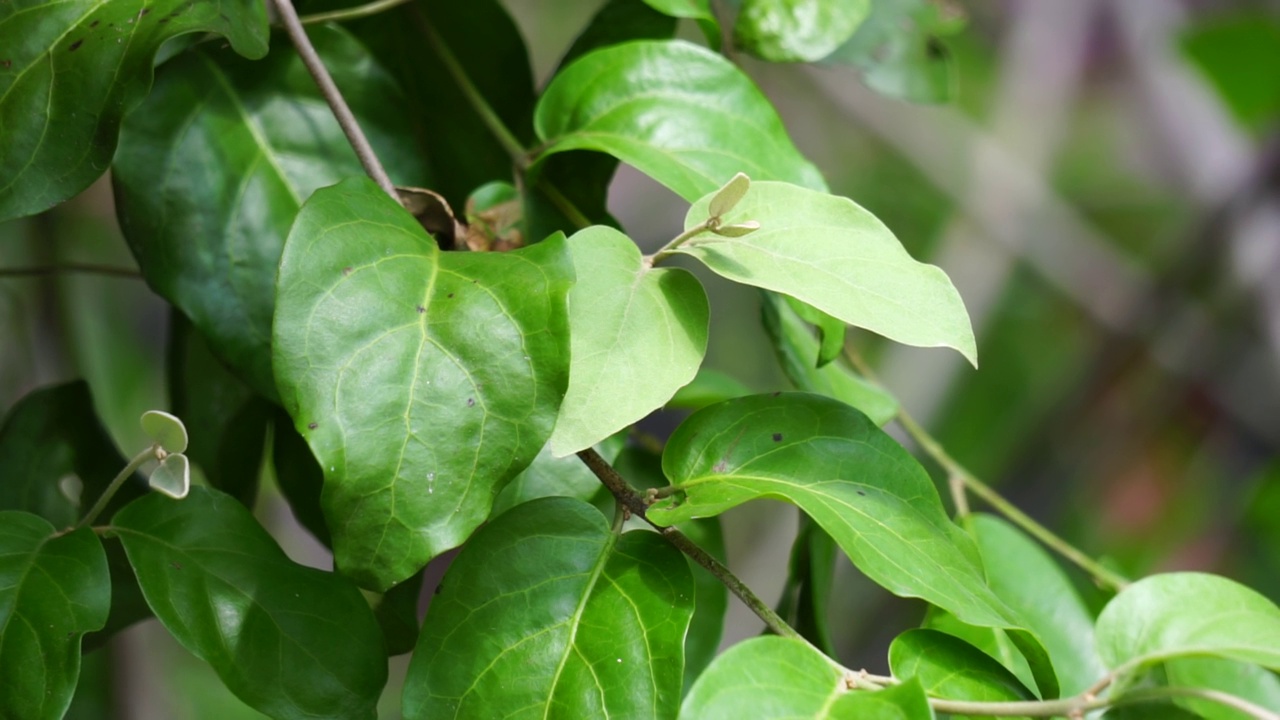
x=798 y=353
x=1242 y=680
x=797 y=30
x=679 y=113
x=423 y=381
x=213 y=168
x=53 y=589
x=289 y=640
x=832 y=254
x=637 y=335
x=69 y=71
x=578 y=623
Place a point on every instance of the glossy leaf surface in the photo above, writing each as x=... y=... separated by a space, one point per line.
x=948 y=667
x=69 y=71
x=53 y=589
x=796 y=30
x=832 y=254
x=1181 y=614
x=637 y=334
x=677 y=112
x=798 y=354
x=578 y=623
x=423 y=381
x=213 y=168
x=1033 y=584
x=289 y=640
x=846 y=474
x=52 y=441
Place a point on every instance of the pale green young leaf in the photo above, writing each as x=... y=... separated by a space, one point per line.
x=834 y=255
x=637 y=334
x=797 y=30
x=423 y=381
x=577 y=623
x=677 y=112
x=53 y=589
x=165 y=430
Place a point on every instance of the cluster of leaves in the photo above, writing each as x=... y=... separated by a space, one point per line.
x=413 y=398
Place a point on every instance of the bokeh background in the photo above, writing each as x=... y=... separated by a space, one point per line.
x=1104 y=190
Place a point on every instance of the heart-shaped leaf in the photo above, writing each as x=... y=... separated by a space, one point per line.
x=637 y=335
x=798 y=354
x=213 y=168
x=165 y=430
x=797 y=30
x=423 y=381
x=855 y=481
x=772 y=678
x=173 y=476
x=837 y=257
x=1183 y=614
x=679 y=113
x=53 y=589
x=580 y=622
x=289 y=640
x=70 y=71
x=951 y=668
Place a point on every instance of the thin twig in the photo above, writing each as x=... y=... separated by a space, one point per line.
x=631 y=499
x=352 y=13
x=679 y=240
x=931 y=447
x=341 y=111
x=138 y=461
x=86 y=268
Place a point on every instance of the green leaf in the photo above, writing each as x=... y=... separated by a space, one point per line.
x=289 y=640
x=51 y=442
x=579 y=622
x=396 y=611
x=299 y=476
x=1248 y=682
x=551 y=476
x=697 y=10
x=898 y=50
x=617 y=22
x=213 y=168
x=830 y=329
x=172 y=477
x=637 y=334
x=1237 y=55
x=797 y=351
x=416 y=416
x=53 y=589
x=951 y=668
x=707 y=387
x=69 y=71
x=832 y=254
x=858 y=484
x=165 y=430
x=1174 y=615
x=797 y=30
x=1032 y=583
x=807 y=591
x=677 y=112
x=227 y=420
x=771 y=677
x=127 y=604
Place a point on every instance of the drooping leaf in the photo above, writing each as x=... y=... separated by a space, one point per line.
x=551 y=476
x=289 y=640
x=830 y=329
x=1030 y=582
x=707 y=388
x=773 y=677
x=1242 y=680
x=226 y=419
x=69 y=71
x=637 y=334
x=797 y=352
x=899 y=50
x=299 y=476
x=56 y=459
x=643 y=469
x=832 y=254
x=797 y=30
x=423 y=381
x=1174 y=615
x=579 y=622
x=677 y=112
x=53 y=589
x=807 y=592
x=859 y=485
x=213 y=168
x=951 y=668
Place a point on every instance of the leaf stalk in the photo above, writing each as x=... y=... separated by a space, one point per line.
x=138 y=461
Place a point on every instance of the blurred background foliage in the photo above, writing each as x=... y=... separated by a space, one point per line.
x=1104 y=189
